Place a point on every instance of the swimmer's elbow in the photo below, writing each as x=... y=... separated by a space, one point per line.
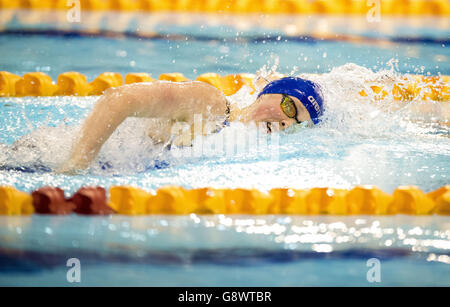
x=140 y=99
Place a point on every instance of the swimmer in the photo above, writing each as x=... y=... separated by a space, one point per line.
x=286 y=101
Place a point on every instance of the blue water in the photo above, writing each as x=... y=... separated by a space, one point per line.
x=359 y=142
x=388 y=150
x=55 y=55
x=194 y=44
x=225 y=251
x=196 y=251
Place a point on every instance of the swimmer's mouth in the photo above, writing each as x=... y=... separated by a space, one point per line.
x=269 y=127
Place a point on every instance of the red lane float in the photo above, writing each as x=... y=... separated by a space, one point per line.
x=50 y=200
x=91 y=201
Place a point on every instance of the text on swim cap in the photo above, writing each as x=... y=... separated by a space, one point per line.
x=315 y=104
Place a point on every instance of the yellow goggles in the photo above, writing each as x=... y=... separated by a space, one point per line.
x=288 y=107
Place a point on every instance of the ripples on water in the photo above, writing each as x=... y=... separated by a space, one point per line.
x=238 y=237
x=359 y=142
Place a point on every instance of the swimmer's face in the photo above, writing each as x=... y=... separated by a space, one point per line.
x=267 y=109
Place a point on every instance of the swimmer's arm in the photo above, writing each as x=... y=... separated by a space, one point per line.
x=164 y=100
x=110 y=111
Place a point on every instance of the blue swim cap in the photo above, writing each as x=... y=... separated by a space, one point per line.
x=306 y=91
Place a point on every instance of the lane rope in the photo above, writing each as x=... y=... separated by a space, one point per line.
x=175 y=200
x=336 y=7
x=408 y=88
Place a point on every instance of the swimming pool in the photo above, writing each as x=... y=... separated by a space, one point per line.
x=362 y=141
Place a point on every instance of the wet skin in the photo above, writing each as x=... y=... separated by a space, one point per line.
x=172 y=103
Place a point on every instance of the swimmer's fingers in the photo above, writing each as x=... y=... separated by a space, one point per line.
x=65 y=171
x=68 y=168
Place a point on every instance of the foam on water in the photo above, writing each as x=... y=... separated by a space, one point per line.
x=360 y=140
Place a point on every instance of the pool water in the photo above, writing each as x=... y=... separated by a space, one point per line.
x=386 y=144
x=361 y=141
x=193 y=57
x=225 y=251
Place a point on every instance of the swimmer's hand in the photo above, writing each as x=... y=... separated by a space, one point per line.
x=67 y=170
x=72 y=167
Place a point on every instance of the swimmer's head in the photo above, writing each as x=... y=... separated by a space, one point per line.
x=289 y=100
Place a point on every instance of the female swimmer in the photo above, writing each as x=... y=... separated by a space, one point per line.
x=285 y=101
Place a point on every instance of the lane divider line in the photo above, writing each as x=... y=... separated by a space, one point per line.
x=175 y=200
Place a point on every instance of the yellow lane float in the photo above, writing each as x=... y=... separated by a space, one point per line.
x=410 y=200
x=174 y=77
x=14 y=202
x=368 y=200
x=128 y=200
x=36 y=84
x=138 y=77
x=325 y=7
x=8 y=84
x=434 y=88
x=104 y=81
x=72 y=84
x=174 y=200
